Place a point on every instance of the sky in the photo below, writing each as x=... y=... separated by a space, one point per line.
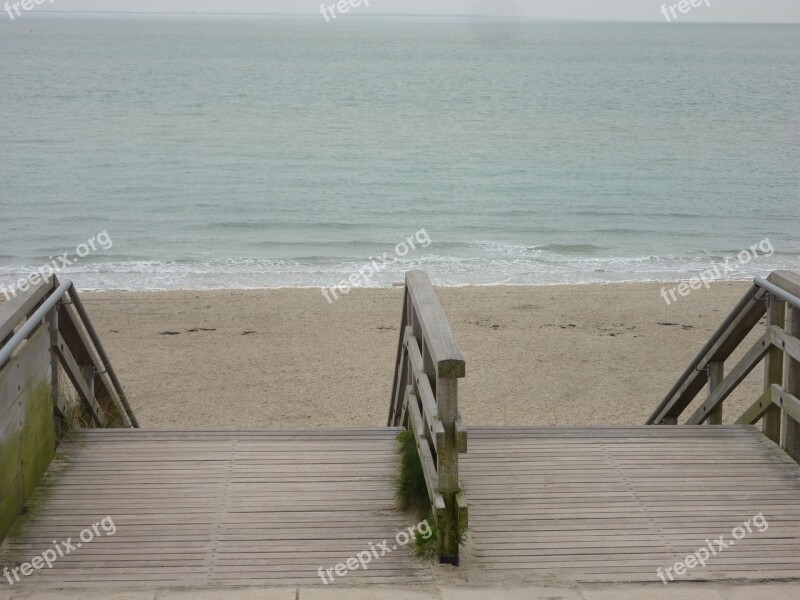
x=771 y=11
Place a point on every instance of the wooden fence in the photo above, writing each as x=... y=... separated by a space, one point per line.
x=425 y=400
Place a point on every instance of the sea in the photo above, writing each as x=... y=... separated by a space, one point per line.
x=237 y=151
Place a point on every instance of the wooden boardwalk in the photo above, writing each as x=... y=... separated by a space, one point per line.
x=208 y=508
x=617 y=503
x=217 y=508
x=267 y=508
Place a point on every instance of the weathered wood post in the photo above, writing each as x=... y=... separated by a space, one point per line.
x=791 y=427
x=716 y=374
x=59 y=405
x=447 y=466
x=773 y=368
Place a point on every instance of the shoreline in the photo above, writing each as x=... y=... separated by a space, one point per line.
x=396 y=284
x=536 y=355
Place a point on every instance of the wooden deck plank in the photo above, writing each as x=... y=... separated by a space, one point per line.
x=597 y=504
x=268 y=507
x=214 y=508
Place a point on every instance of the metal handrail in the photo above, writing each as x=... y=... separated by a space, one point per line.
x=777 y=291
x=33 y=321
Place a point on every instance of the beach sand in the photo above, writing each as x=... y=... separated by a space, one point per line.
x=576 y=354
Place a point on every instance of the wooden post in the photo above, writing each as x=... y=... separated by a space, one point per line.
x=447 y=468
x=88 y=373
x=791 y=428
x=59 y=404
x=773 y=368
x=716 y=373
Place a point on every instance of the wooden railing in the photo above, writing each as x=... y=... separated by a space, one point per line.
x=777 y=297
x=43 y=330
x=74 y=347
x=425 y=400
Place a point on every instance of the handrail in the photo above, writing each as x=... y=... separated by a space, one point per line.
x=49 y=307
x=425 y=400
x=698 y=363
x=778 y=406
x=13 y=310
x=778 y=292
x=33 y=321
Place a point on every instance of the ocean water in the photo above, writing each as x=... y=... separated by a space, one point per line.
x=255 y=152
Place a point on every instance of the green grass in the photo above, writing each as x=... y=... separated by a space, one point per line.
x=427 y=548
x=412 y=497
x=74 y=419
x=411 y=491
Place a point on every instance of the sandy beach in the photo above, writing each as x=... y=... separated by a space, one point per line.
x=578 y=354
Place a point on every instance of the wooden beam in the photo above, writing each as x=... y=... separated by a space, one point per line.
x=435 y=327
x=716 y=374
x=788 y=343
x=463 y=509
x=84 y=353
x=741 y=321
x=753 y=414
x=790 y=440
x=773 y=368
x=447 y=468
x=425 y=456
x=59 y=399
x=736 y=376
x=461 y=435
x=399 y=372
x=430 y=413
x=75 y=375
x=787 y=402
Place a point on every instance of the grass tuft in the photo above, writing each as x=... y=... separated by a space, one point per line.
x=411 y=491
x=427 y=548
x=412 y=497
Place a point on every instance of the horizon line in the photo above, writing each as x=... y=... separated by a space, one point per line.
x=396 y=15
